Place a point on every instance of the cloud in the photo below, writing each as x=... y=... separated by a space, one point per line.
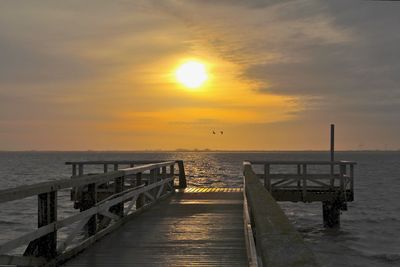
x=301 y=62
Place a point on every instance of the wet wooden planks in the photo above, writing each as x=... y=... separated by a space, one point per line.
x=196 y=229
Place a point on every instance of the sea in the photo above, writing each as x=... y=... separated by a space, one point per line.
x=369 y=235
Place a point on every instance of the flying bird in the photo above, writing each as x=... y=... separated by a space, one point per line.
x=213 y=132
x=222 y=132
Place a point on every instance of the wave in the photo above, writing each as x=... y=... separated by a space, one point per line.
x=386 y=257
x=3 y=222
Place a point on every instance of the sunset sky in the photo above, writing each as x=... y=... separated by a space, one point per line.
x=101 y=75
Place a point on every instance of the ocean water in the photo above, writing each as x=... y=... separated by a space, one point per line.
x=370 y=229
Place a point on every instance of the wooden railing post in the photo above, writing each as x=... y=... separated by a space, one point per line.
x=140 y=199
x=45 y=246
x=89 y=200
x=298 y=176
x=105 y=167
x=80 y=169
x=73 y=170
x=172 y=174
x=74 y=189
x=153 y=179
x=267 y=179
x=352 y=178
x=118 y=187
x=47 y=213
x=182 y=175
x=332 y=175
x=342 y=173
x=304 y=181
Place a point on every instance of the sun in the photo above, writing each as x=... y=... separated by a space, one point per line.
x=191 y=74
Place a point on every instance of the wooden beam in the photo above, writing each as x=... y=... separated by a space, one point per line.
x=45 y=246
x=44 y=187
x=182 y=175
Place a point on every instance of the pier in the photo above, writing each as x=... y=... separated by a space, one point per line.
x=142 y=213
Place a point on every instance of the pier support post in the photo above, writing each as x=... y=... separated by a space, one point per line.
x=140 y=199
x=90 y=202
x=332 y=179
x=331 y=213
x=87 y=201
x=45 y=246
x=118 y=209
x=182 y=175
x=267 y=180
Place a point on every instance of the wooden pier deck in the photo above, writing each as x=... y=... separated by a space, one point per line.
x=193 y=228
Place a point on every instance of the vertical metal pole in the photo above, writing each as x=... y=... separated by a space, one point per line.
x=332 y=142
x=332 y=179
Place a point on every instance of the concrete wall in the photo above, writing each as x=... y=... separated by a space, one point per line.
x=277 y=241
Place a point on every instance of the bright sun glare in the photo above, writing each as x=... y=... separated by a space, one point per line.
x=191 y=74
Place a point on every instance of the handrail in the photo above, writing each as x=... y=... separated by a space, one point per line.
x=336 y=179
x=39 y=188
x=308 y=162
x=100 y=162
x=277 y=242
x=96 y=219
x=80 y=164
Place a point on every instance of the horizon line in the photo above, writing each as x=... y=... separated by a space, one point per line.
x=203 y=150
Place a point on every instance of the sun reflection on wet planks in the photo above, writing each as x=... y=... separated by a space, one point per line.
x=196 y=227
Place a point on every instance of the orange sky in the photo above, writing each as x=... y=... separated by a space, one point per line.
x=101 y=76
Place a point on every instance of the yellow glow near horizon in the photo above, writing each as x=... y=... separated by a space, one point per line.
x=192 y=74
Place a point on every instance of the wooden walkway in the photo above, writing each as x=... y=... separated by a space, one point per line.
x=196 y=228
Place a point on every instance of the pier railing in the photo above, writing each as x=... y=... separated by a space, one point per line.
x=78 y=167
x=276 y=241
x=97 y=218
x=308 y=176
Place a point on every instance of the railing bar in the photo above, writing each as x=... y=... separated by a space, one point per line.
x=87 y=213
x=44 y=187
x=130 y=206
x=291 y=181
x=73 y=234
x=9 y=245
